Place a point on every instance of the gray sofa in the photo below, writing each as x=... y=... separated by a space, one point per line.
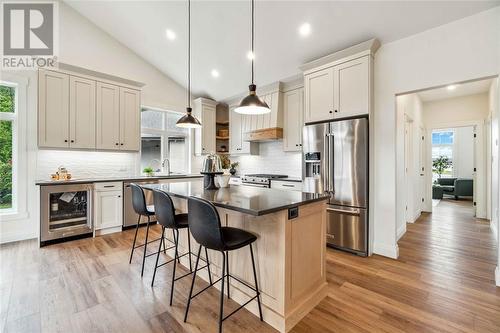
x=457 y=187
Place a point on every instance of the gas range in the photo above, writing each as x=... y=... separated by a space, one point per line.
x=260 y=179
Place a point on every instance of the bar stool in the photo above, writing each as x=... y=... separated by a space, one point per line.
x=142 y=209
x=204 y=224
x=166 y=217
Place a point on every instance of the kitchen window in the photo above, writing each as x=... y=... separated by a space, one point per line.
x=161 y=140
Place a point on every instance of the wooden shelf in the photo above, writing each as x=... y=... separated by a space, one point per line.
x=225 y=123
x=222 y=137
x=223 y=152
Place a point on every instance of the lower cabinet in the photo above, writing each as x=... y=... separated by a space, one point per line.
x=108 y=207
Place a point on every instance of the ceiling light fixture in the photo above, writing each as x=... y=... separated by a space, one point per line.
x=252 y=104
x=305 y=29
x=215 y=73
x=170 y=34
x=451 y=87
x=189 y=121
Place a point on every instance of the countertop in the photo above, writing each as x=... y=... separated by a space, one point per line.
x=249 y=200
x=113 y=179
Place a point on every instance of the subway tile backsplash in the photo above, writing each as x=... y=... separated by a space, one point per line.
x=86 y=164
x=272 y=159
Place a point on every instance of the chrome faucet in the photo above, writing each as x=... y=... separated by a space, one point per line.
x=167 y=162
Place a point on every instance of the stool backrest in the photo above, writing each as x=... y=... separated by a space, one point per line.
x=164 y=209
x=138 y=199
x=204 y=223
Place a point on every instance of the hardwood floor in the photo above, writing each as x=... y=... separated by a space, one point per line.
x=443 y=282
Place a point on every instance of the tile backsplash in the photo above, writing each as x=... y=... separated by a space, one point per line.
x=272 y=159
x=86 y=164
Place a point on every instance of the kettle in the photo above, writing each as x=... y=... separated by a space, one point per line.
x=211 y=164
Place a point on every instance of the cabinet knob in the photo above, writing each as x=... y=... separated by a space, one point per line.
x=330 y=111
x=116 y=143
x=296 y=145
x=121 y=144
x=72 y=141
x=119 y=196
x=336 y=110
x=65 y=140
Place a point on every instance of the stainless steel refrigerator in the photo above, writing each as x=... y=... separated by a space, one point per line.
x=335 y=158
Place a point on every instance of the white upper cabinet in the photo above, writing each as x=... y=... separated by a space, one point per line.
x=53 y=109
x=319 y=95
x=238 y=125
x=77 y=110
x=108 y=116
x=293 y=119
x=204 y=137
x=82 y=112
x=130 y=119
x=351 y=82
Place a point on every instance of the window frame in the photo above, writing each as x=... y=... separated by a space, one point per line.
x=164 y=134
x=18 y=118
x=452 y=145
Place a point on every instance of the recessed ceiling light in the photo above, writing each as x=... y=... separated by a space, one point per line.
x=170 y=34
x=250 y=55
x=215 y=73
x=451 y=87
x=305 y=29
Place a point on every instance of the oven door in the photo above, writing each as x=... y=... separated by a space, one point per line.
x=256 y=185
x=65 y=211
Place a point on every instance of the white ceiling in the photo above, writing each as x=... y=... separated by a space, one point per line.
x=221 y=33
x=463 y=89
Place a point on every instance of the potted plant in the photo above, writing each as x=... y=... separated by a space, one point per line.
x=148 y=171
x=233 y=166
x=440 y=164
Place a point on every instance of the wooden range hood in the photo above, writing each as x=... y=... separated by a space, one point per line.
x=264 y=135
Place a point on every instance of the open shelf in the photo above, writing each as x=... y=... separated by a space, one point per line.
x=223 y=123
x=222 y=137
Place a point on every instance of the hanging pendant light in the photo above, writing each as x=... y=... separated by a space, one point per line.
x=252 y=104
x=188 y=120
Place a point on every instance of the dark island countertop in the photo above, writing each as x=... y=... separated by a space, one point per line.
x=249 y=200
x=115 y=179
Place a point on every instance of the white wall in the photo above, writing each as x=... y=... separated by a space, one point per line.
x=462 y=50
x=494 y=132
x=463 y=108
x=85 y=45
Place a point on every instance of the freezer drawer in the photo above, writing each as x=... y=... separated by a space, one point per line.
x=346 y=229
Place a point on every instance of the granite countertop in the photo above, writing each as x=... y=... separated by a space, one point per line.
x=113 y=179
x=249 y=200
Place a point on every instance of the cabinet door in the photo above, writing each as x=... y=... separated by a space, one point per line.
x=108 y=209
x=319 y=95
x=293 y=117
x=246 y=126
x=53 y=109
x=208 y=129
x=234 y=131
x=352 y=86
x=130 y=119
x=108 y=116
x=82 y=112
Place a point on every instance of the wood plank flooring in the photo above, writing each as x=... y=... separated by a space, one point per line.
x=443 y=282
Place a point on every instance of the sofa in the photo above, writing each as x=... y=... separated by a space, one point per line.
x=457 y=187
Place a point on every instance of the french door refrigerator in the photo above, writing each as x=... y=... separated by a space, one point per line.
x=335 y=161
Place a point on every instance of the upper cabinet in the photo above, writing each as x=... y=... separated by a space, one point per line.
x=340 y=85
x=86 y=110
x=238 y=124
x=293 y=107
x=204 y=137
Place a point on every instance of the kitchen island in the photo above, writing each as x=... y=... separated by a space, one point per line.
x=290 y=249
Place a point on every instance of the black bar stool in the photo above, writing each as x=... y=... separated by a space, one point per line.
x=204 y=224
x=166 y=217
x=142 y=209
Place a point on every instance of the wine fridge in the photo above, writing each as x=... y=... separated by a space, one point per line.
x=65 y=212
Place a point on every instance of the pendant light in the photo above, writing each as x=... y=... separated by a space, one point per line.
x=252 y=104
x=188 y=120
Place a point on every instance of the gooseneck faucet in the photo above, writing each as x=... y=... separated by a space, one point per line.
x=166 y=161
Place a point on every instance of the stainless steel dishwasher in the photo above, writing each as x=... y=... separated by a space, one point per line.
x=129 y=215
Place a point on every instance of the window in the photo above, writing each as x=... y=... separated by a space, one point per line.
x=8 y=125
x=442 y=147
x=161 y=140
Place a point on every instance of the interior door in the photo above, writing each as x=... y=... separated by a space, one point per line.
x=82 y=112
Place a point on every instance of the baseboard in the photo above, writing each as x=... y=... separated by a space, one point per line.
x=401 y=231
x=494 y=229
x=497 y=276
x=415 y=217
x=386 y=250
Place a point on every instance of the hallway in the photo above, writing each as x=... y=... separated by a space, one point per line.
x=443 y=281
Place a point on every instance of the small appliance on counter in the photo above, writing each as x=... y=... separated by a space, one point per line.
x=212 y=166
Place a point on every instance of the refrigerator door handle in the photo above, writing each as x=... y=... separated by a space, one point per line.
x=353 y=212
x=326 y=165
x=331 y=164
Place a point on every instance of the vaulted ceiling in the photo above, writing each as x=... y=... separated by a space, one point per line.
x=221 y=33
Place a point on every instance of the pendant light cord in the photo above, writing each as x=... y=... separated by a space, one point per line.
x=189 y=54
x=253 y=53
